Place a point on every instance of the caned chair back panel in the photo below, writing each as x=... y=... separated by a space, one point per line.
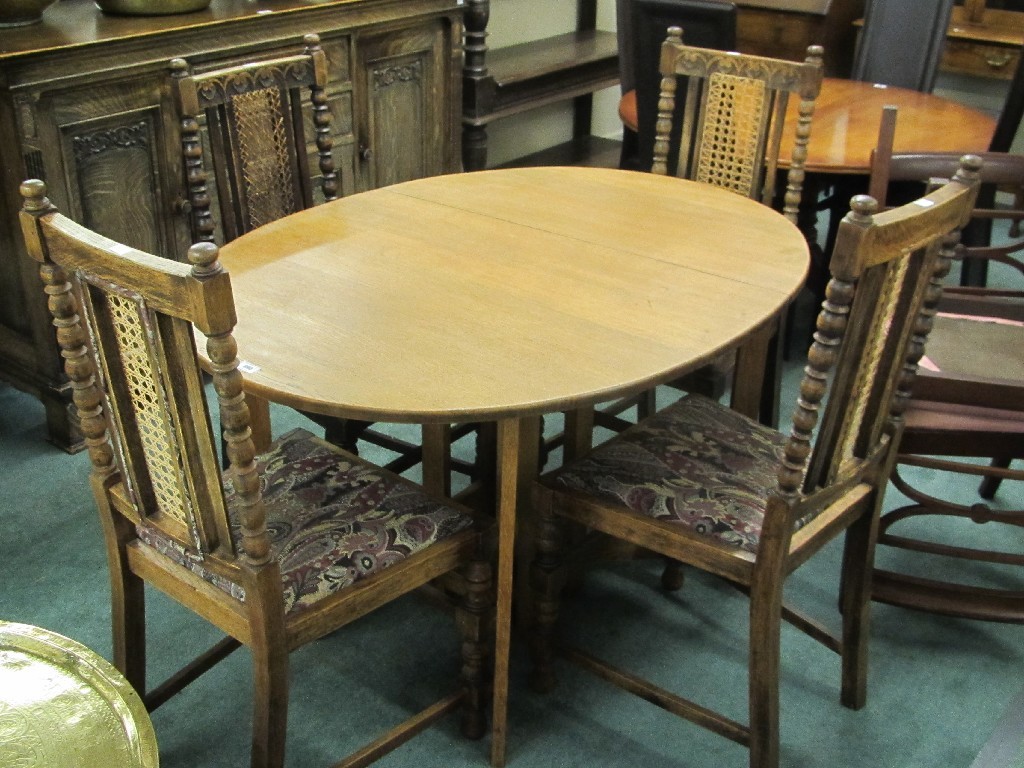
x=886 y=283
x=255 y=142
x=124 y=322
x=733 y=116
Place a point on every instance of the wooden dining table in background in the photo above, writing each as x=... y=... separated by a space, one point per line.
x=847 y=115
x=500 y=296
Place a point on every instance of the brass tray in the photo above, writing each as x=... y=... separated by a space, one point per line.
x=63 y=706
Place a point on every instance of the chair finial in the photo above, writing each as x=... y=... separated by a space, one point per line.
x=970 y=167
x=863 y=207
x=203 y=257
x=34 y=193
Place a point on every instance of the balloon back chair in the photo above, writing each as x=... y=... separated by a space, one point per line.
x=705 y=486
x=949 y=554
x=276 y=551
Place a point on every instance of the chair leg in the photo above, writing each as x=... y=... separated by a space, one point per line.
x=765 y=641
x=990 y=485
x=345 y=433
x=270 y=703
x=855 y=605
x=127 y=604
x=269 y=650
x=128 y=622
x=547 y=578
x=475 y=618
x=673 y=576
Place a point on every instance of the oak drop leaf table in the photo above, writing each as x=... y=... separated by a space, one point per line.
x=500 y=296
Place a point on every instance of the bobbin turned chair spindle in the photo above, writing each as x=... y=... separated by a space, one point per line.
x=705 y=486
x=279 y=549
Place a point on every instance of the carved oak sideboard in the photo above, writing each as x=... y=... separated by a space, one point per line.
x=85 y=104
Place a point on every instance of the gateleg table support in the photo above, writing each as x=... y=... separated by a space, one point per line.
x=518 y=466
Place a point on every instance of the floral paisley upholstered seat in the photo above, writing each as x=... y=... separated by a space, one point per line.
x=331 y=523
x=695 y=463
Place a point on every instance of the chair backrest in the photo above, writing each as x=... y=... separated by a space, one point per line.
x=886 y=282
x=257 y=144
x=1000 y=171
x=643 y=25
x=125 y=323
x=733 y=115
x=902 y=42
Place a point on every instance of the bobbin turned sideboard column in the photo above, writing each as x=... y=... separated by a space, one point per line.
x=85 y=105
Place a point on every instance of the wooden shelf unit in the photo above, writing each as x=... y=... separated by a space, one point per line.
x=506 y=81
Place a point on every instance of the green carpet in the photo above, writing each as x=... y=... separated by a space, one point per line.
x=937 y=690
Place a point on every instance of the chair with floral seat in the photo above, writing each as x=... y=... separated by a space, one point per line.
x=708 y=487
x=276 y=551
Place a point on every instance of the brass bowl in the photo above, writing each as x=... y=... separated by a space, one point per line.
x=151 y=7
x=18 y=13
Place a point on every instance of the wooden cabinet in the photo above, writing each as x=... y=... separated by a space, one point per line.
x=85 y=105
x=983 y=41
x=784 y=28
x=405 y=131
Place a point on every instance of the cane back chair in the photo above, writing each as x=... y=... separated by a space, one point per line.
x=256 y=132
x=732 y=117
x=703 y=485
x=946 y=554
x=255 y=148
x=276 y=551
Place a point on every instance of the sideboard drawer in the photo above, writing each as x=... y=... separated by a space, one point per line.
x=994 y=61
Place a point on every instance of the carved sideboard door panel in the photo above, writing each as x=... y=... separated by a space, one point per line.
x=103 y=152
x=403 y=123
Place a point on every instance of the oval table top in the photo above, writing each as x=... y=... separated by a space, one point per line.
x=503 y=293
x=847 y=115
